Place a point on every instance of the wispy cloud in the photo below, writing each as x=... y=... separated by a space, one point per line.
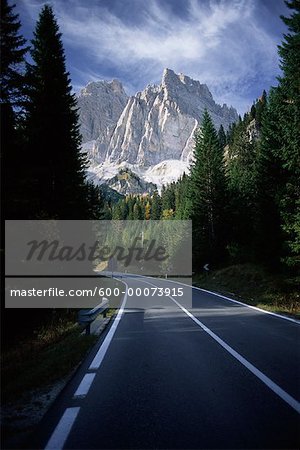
x=220 y=43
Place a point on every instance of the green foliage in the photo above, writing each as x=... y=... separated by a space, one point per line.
x=241 y=182
x=280 y=142
x=12 y=83
x=206 y=193
x=260 y=109
x=56 y=172
x=168 y=197
x=182 y=206
x=222 y=137
x=256 y=286
x=156 y=206
x=247 y=201
x=95 y=200
x=13 y=50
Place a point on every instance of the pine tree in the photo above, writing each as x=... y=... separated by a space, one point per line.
x=138 y=213
x=253 y=112
x=168 y=197
x=241 y=178
x=13 y=51
x=206 y=195
x=280 y=149
x=130 y=203
x=156 y=206
x=288 y=104
x=260 y=108
x=57 y=168
x=95 y=201
x=269 y=176
x=222 y=137
x=181 y=198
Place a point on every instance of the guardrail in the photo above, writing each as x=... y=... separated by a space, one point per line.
x=86 y=317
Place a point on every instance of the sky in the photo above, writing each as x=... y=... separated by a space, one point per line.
x=231 y=45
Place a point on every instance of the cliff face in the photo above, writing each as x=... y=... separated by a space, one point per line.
x=100 y=106
x=154 y=126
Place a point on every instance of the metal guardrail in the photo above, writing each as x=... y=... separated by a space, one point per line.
x=86 y=317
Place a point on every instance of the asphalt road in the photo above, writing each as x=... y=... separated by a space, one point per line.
x=215 y=375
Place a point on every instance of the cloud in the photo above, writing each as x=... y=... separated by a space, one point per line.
x=218 y=42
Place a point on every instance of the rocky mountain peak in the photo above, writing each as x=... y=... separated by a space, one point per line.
x=181 y=84
x=98 y=88
x=153 y=128
x=100 y=106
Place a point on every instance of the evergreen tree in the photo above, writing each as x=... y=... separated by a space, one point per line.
x=279 y=161
x=95 y=201
x=241 y=180
x=181 y=198
x=206 y=195
x=138 y=213
x=260 y=109
x=12 y=82
x=168 y=197
x=156 y=206
x=117 y=211
x=268 y=233
x=253 y=112
x=13 y=50
x=288 y=107
x=56 y=172
x=222 y=137
x=130 y=203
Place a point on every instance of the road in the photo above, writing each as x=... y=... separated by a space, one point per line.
x=219 y=375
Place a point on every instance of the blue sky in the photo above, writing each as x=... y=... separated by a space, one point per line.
x=231 y=45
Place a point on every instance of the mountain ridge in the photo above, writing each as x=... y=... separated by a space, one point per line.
x=153 y=126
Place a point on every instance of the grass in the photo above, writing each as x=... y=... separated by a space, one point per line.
x=37 y=357
x=49 y=355
x=255 y=286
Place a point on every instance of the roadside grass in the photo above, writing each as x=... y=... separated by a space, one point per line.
x=49 y=355
x=44 y=354
x=255 y=286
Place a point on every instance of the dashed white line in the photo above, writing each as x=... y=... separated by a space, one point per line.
x=85 y=385
x=62 y=430
x=266 y=380
x=64 y=426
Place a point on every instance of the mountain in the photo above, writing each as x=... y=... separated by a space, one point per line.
x=128 y=182
x=109 y=194
x=100 y=106
x=151 y=132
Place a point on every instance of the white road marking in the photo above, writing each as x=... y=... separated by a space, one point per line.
x=85 y=385
x=103 y=349
x=64 y=426
x=266 y=380
x=249 y=306
x=62 y=430
x=280 y=316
